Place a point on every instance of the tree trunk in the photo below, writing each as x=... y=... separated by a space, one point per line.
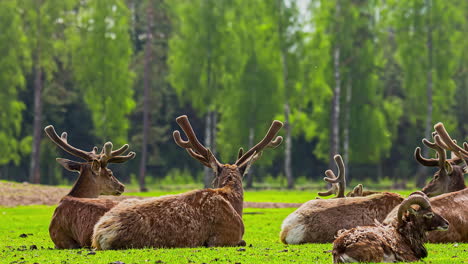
x=208 y=178
x=346 y=129
x=288 y=147
x=146 y=99
x=335 y=111
x=250 y=173
x=422 y=172
x=335 y=108
x=35 y=170
x=287 y=111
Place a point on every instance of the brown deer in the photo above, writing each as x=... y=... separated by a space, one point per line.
x=453 y=206
x=450 y=176
x=318 y=221
x=75 y=216
x=208 y=217
x=402 y=242
x=338 y=184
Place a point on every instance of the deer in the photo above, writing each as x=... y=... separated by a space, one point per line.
x=403 y=242
x=450 y=176
x=207 y=217
x=453 y=206
x=338 y=184
x=318 y=221
x=77 y=212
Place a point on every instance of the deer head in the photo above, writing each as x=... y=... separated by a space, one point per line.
x=94 y=176
x=225 y=174
x=449 y=177
x=417 y=210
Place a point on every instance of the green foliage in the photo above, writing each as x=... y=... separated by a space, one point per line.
x=101 y=56
x=14 y=63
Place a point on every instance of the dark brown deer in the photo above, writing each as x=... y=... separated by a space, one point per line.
x=208 y=217
x=338 y=184
x=450 y=176
x=402 y=242
x=75 y=216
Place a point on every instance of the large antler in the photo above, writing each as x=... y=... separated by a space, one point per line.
x=192 y=145
x=63 y=144
x=268 y=141
x=444 y=140
x=106 y=156
x=337 y=182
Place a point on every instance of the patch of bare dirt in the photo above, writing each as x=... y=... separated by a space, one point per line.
x=14 y=194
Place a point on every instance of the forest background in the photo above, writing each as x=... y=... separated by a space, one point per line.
x=364 y=78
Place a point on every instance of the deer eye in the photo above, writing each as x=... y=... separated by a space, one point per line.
x=429 y=215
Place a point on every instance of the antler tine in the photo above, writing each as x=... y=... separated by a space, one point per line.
x=423 y=161
x=198 y=157
x=179 y=141
x=439 y=127
x=63 y=144
x=330 y=176
x=268 y=140
x=122 y=159
x=240 y=153
x=442 y=155
x=120 y=151
x=341 y=179
x=275 y=143
x=192 y=142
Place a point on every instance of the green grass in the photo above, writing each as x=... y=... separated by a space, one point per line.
x=277 y=196
x=262 y=228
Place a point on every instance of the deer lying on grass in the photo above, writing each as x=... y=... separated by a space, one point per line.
x=209 y=217
x=74 y=218
x=338 y=184
x=452 y=206
x=318 y=221
x=388 y=243
x=449 y=177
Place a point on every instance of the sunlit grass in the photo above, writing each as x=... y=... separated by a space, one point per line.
x=261 y=236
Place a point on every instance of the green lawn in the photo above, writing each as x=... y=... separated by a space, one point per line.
x=285 y=196
x=263 y=246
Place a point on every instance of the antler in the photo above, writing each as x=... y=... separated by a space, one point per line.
x=192 y=145
x=109 y=156
x=268 y=141
x=446 y=142
x=63 y=144
x=337 y=182
x=106 y=156
x=442 y=155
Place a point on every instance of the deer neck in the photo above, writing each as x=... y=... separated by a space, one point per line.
x=233 y=191
x=85 y=186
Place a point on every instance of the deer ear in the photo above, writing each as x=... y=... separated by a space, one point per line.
x=95 y=165
x=448 y=167
x=69 y=164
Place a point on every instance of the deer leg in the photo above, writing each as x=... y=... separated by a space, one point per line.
x=63 y=241
x=228 y=231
